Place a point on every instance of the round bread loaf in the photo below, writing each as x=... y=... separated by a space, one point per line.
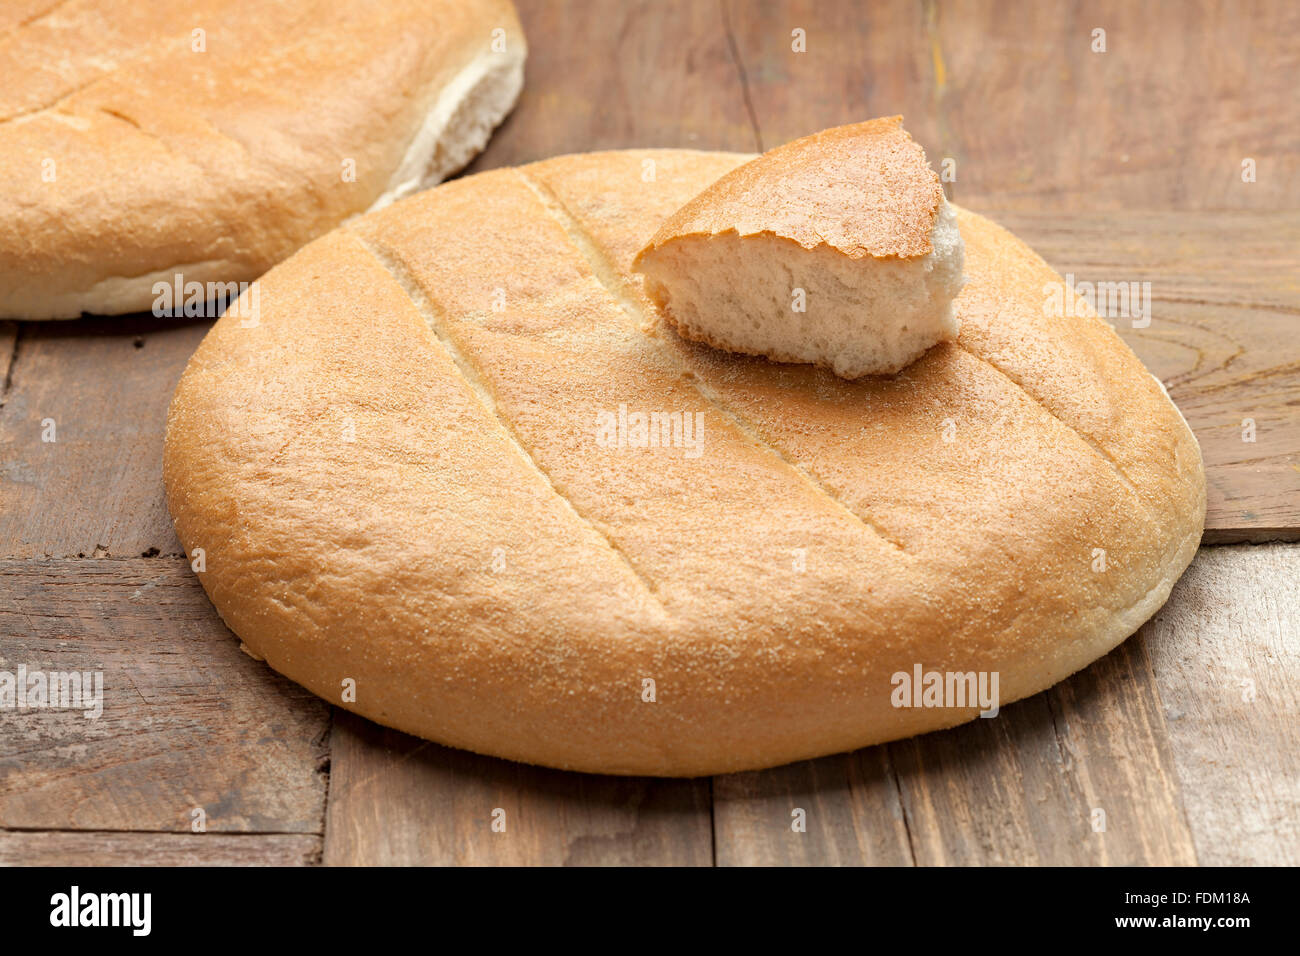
x=462 y=479
x=141 y=139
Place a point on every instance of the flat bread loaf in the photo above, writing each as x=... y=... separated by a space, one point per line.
x=462 y=466
x=141 y=139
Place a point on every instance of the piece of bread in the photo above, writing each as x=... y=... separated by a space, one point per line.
x=424 y=472
x=144 y=138
x=837 y=249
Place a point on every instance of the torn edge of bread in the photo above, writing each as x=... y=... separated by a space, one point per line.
x=458 y=127
x=837 y=250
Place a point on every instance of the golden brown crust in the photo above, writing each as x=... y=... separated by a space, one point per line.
x=126 y=151
x=417 y=500
x=863 y=189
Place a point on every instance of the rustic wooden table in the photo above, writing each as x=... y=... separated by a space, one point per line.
x=1118 y=165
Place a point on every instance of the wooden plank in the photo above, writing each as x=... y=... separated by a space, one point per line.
x=95 y=848
x=188 y=720
x=398 y=800
x=1115 y=743
x=1096 y=131
x=1019 y=789
x=97 y=489
x=1078 y=140
x=1223 y=315
x=613 y=74
x=851 y=814
x=860 y=60
x=1226 y=652
x=1131 y=126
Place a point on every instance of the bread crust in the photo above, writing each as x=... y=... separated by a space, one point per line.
x=864 y=189
x=417 y=501
x=128 y=155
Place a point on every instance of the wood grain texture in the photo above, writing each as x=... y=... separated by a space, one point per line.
x=1115 y=749
x=1012 y=90
x=1021 y=788
x=97 y=489
x=612 y=74
x=97 y=848
x=1226 y=651
x=188 y=720
x=398 y=800
x=860 y=60
x=837 y=811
